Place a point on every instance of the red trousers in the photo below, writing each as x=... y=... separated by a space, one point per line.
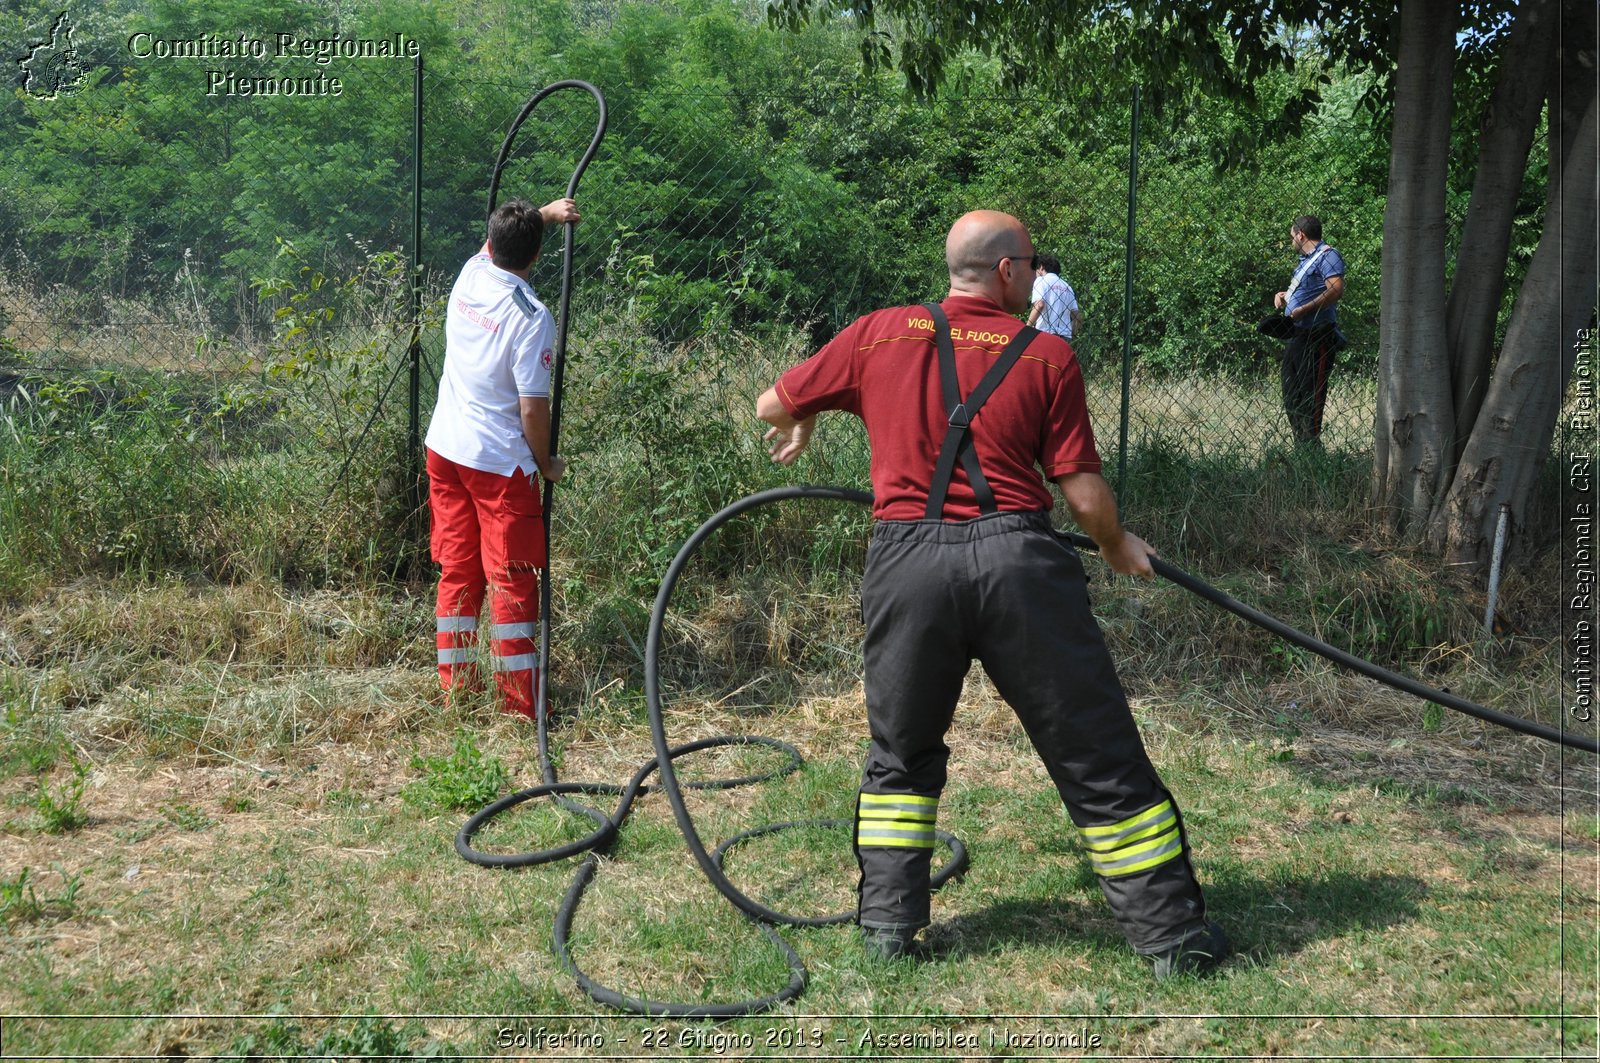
x=488 y=538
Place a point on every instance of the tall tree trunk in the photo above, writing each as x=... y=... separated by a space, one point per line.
x=1479 y=283
x=1511 y=440
x=1573 y=79
x=1413 y=428
x=1573 y=87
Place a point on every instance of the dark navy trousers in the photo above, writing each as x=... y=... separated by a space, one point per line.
x=1007 y=591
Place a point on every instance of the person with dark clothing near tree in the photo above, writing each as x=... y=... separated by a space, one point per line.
x=1309 y=326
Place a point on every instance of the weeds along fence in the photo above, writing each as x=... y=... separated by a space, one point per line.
x=220 y=330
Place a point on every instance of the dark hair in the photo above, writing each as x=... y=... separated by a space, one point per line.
x=1309 y=224
x=516 y=232
x=1051 y=263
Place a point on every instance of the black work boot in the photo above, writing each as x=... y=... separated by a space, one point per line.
x=1198 y=952
x=887 y=942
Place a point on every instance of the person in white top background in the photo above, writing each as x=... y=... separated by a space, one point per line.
x=488 y=442
x=1055 y=307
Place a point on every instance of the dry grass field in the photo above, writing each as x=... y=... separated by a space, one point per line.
x=230 y=788
x=224 y=802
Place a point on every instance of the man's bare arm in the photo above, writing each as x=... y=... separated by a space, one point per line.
x=1094 y=507
x=1330 y=295
x=788 y=437
x=536 y=430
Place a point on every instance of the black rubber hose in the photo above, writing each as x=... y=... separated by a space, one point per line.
x=1356 y=664
x=1199 y=587
x=667 y=1009
x=605 y=835
x=709 y=863
x=559 y=359
x=599 y=843
x=541 y=694
x=1196 y=586
x=601 y=840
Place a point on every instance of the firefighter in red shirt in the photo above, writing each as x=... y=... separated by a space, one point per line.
x=962 y=404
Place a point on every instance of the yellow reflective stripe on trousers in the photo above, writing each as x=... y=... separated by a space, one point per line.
x=896 y=820
x=1141 y=825
x=1137 y=843
x=1139 y=857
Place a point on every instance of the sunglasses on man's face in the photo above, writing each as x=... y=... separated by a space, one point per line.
x=1033 y=263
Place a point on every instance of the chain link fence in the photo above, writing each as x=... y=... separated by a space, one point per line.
x=1211 y=249
x=216 y=318
x=201 y=318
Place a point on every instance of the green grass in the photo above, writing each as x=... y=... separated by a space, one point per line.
x=223 y=738
x=315 y=886
x=60 y=808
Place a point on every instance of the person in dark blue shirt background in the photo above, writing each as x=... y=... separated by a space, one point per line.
x=1311 y=329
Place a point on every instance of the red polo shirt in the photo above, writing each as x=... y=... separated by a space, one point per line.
x=884 y=368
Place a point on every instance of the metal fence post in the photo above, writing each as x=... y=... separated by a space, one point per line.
x=1127 y=295
x=414 y=448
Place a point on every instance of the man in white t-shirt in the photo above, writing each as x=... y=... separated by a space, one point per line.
x=1055 y=308
x=488 y=441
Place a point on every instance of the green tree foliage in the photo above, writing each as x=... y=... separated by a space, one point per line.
x=145 y=170
x=1185 y=52
x=749 y=177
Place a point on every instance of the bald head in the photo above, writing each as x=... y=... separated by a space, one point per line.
x=978 y=241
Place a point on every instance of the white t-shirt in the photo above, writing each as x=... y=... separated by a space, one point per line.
x=499 y=345
x=1059 y=302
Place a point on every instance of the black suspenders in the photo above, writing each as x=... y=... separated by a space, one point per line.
x=958 y=440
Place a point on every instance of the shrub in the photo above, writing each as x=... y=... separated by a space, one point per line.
x=464 y=780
